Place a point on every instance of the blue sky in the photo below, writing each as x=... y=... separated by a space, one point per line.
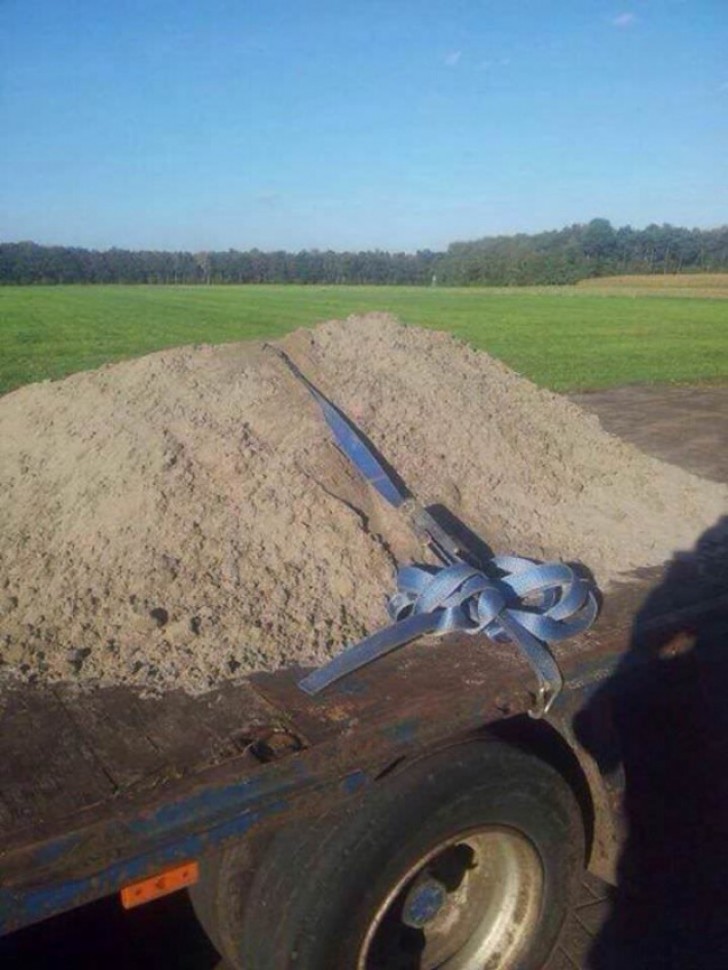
x=405 y=124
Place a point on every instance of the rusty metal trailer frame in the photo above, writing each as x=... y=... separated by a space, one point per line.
x=290 y=755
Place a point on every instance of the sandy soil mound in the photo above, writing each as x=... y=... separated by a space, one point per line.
x=182 y=519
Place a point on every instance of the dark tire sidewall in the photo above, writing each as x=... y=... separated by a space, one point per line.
x=313 y=901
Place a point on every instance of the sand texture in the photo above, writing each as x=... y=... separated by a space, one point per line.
x=184 y=519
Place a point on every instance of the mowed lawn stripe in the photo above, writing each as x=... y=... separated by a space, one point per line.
x=562 y=338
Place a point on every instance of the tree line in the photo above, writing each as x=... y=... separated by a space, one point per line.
x=566 y=255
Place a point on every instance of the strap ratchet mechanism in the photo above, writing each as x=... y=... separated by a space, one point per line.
x=508 y=598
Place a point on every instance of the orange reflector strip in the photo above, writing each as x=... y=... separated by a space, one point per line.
x=163 y=883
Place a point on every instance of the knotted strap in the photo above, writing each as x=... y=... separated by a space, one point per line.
x=546 y=600
x=517 y=601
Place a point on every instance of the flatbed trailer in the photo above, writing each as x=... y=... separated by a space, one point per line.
x=101 y=791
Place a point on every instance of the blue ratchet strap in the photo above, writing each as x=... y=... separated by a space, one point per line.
x=528 y=604
x=350 y=440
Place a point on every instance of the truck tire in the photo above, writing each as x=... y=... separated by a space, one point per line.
x=465 y=860
x=220 y=896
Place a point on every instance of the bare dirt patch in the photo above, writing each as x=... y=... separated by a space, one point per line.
x=685 y=425
x=184 y=519
x=712 y=285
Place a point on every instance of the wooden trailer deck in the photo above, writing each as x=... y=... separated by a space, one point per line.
x=88 y=780
x=100 y=788
x=69 y=758
x=66 y=755
x=92 y=781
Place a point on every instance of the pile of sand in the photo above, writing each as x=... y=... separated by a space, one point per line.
x=182 y=519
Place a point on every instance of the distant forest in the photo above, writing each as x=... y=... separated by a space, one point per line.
x=567 y=255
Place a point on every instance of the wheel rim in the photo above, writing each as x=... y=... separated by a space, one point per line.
x=470 y=903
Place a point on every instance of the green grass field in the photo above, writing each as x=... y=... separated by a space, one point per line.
x=563 y=338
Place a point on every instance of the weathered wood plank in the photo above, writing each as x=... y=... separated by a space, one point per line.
x=143 y=741
x=46 y=768
x=63 y=753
